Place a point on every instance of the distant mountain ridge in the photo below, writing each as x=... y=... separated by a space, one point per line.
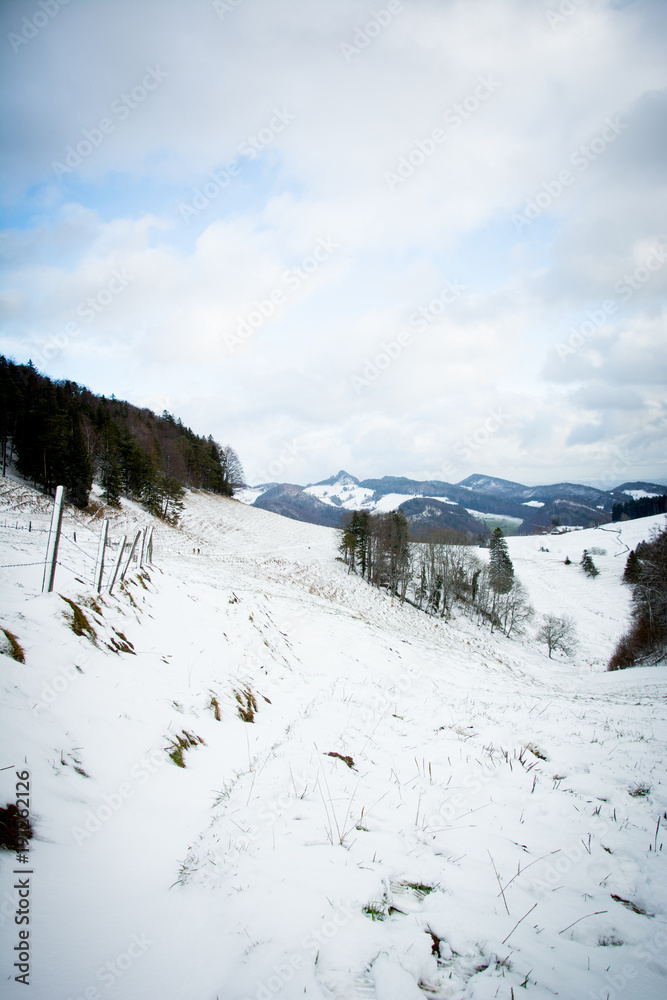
x=472 y=505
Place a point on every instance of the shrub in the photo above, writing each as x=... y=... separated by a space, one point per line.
x=14 y=828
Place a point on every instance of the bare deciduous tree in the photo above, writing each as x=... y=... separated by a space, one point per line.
x=557 y=633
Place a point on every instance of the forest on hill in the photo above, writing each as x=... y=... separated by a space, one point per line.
x=641 y=507
x=56 y=432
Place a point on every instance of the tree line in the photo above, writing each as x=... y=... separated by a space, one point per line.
x=56 y=432
x=433 y=574
x=645 y=642
x=643 y=507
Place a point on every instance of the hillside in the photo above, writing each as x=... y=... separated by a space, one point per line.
x=375 y=804
x=60 y=433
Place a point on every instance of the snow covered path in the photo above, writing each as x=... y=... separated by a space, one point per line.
x=417 y=809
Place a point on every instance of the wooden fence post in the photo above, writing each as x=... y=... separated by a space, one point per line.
x=118 y=560
x=54 y=539
x=129 y=558
x=99 y=565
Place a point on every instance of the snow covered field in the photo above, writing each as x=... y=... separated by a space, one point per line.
x=418 y=808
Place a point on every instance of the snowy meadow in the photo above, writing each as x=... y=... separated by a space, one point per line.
x=253 y=775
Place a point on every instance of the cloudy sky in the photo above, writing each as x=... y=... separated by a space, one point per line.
x=416 y=237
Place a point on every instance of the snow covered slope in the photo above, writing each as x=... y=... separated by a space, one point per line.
x=374 y=804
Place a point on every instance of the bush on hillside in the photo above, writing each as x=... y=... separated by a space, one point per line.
x=645 y=643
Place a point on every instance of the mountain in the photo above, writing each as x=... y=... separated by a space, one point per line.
x=297 y=503
x=470 y=505
x=425 y=514
x=341 y=479
x=637 y=490
x=503 y=487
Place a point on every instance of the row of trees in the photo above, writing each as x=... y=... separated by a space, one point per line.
x=642 y=507
x=377 y=547
x=646 y=640
x=58 y=432
x=434 y=574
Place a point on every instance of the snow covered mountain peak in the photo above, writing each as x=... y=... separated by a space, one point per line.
x=341 y=478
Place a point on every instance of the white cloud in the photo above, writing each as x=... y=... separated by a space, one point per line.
x=514 y=99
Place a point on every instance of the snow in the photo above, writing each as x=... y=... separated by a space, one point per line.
x=347 y=497
x=350 y=497
x=360 y=498
x=488 y=815
x=250 y=493
x=391 y=501
x=495 y=517
x=636 y=494
x=532 y=503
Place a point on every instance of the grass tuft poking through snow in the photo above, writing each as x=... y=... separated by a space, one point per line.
x=182 y=743
x=14 y=648
x=79 y=623
x=247 y=704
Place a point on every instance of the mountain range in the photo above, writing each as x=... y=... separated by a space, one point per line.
x=475 y=505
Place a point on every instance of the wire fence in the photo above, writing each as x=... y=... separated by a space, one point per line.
x=90 y=555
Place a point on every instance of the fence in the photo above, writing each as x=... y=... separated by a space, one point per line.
x=99 y=560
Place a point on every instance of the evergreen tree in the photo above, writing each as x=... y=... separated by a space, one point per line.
x=172 y=500
x=78 y=473
x=588 y=566
x=501 y=570
x=633 y=567
x=356 y=541
x=111 y=480
x=59 y=433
